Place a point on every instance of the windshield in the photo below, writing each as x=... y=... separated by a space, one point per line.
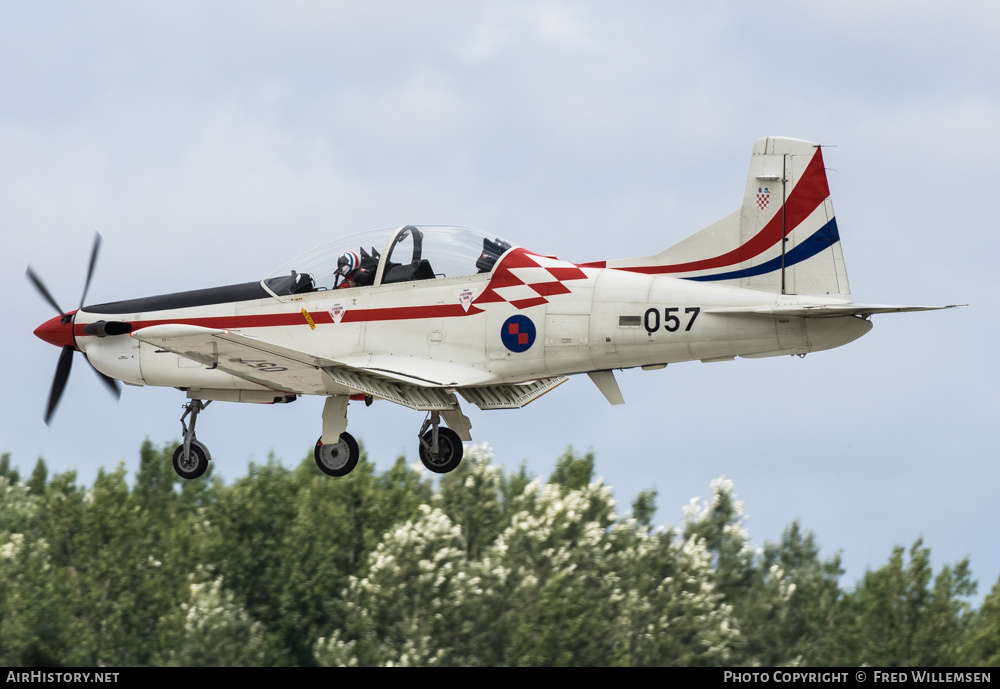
x=404 y=254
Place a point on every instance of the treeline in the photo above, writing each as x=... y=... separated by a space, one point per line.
x=485 y=567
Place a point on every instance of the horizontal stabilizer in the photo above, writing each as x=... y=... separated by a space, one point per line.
x=825 y=310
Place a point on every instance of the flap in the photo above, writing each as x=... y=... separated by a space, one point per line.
x=511 y=396
x=422 y=372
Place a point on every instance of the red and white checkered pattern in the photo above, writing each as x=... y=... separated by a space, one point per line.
x=525 y=279
x=763 y=198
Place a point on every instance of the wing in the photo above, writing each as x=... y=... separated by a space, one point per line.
x=261 y=362
x=422 y=384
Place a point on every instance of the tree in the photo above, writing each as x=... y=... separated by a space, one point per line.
x=573 y=471
x=408 y=605
x=7 y=471
x=488 y=568
x=982 y=642
x=472 y=497
x=213 y=629
x=644 y=507
x=897 y=619
x=559 y=582
x=798 y=609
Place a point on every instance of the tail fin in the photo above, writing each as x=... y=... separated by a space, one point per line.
x=784 y=239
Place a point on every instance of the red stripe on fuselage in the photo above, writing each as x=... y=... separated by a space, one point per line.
x=272 y=320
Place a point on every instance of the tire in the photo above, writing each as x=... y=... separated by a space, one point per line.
x=338 y=459
x=197 y=463
x=450 y=451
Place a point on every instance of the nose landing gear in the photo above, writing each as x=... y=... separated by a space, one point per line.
x=191 y=457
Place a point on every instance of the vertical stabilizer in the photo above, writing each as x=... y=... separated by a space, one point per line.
x=784 y=238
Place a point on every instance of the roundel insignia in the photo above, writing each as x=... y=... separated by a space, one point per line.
x=517 y=333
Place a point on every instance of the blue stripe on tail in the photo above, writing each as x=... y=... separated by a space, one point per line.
x=822 y=239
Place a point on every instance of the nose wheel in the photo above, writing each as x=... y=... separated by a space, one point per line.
x=191 y=457
x=339 y=458
x=194 y=464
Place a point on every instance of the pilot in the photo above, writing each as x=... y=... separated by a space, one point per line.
x=347 y=268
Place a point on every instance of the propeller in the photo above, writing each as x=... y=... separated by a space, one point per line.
x=60 y=333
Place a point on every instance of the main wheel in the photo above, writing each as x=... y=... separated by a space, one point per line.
x=195 y=464
x=338 y=459
x=449 y=454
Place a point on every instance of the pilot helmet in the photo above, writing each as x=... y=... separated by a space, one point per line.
x=348 y=264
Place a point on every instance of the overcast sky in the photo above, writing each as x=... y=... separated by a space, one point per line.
x=211 y=142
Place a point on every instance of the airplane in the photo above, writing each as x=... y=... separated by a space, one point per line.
x=424 y=315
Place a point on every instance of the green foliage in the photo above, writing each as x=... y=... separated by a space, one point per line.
x=573 y=471
x=898 y=617
x=796 y=609
x=472 y=497
x=290 y=567
x=212 y=629
x=541 y=579
x=982 y=646
x=6 y=470
x=39 y=475
x=644 y=507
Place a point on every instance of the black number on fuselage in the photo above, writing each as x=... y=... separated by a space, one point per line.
x=694 y=311
x=655 y=325
x=671 y=321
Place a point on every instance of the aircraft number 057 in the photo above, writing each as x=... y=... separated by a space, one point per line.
x=671 y=319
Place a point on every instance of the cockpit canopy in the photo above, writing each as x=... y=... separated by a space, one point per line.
x=381 y=257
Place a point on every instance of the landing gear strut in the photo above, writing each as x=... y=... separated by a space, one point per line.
x=440 y=447
x=191 y=457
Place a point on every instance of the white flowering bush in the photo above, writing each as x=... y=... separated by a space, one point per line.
x=560 y=581
x=409 y=599
x=217 y=631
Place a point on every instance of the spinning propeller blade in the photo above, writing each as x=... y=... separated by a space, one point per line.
x=108 y=381
x=40 y=286
x=53 y=332
x=59 y=382
x=90 y=270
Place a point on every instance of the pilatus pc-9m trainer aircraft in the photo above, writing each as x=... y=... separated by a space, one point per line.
x=428 y=316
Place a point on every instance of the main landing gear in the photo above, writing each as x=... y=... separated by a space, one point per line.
x=191 y=457
x=440 y=448
x=337 y=459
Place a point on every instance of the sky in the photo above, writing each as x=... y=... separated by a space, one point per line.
x=209 y=143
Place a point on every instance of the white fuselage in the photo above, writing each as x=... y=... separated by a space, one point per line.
x=608 y=319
